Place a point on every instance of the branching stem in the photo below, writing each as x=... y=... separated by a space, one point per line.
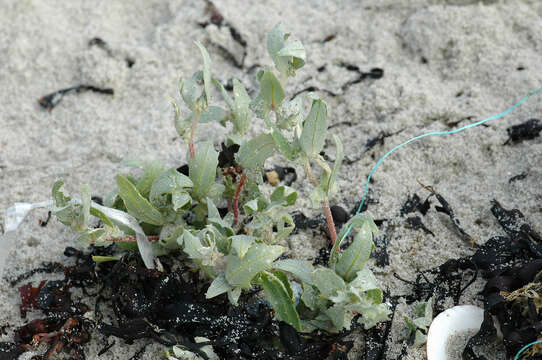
x=325 y=204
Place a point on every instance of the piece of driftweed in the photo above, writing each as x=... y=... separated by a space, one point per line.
x=240 y=249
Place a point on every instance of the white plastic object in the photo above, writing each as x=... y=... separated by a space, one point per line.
x=452 y=321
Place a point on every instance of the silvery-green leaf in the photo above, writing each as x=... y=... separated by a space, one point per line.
x=212 y=114
x=190 y=90
x=224 y=93
x=240 y=109
x=240 y=272
x=297 y=52
x=253 y=153
x=299 y=268
x=314 y=130
x=275 y=42
x=278 y=293
x=180 y=125
x=356 y=222
x=180 y=199
x=206 y=72
x=241 y=244
x=312 y=299
x=218 y=286
x=111 y=198
x=364 y=280
x=151 y=170
x=212 y=211
x=233 y=295
x=336 y=165
x=354 y=257
x=202 y=169
x=136 y=204
x=271 y=90
x=251 y=207
x=85 y=206
x=284 y=195
x=336 y=315
x=284 y=146
x=419 y=339
x=68 y=211
x=289 y=114
x=373 y=314
x=327 y=281
x=126 y=221
x=169 y=235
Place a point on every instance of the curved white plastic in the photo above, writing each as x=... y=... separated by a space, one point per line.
x=455 y=320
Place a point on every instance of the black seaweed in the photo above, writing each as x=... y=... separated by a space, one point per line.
x=51 y=100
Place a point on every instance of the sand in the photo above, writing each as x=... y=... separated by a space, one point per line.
x=443 y=62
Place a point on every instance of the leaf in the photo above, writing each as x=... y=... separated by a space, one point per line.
x=278 y=293
x=327 y=281
x=355 y=222
x=218 y=286
x=206 y=73
x=284 y=146
x=240 y=109
x=253 y=153
x=297 y=52
x=336 y=315
x=190 y=90
x=299 y=268
x=101 y=259
x=202 y=169
x=224 y=93
x=284 y=195
x=212 y=114
x=314 y=130
x=151 y=170
x=170 y=182
x=212 y=211
x=354 y=257
x=312 y=299
x=136 y=204
x=275 y=42
x=241 y=244
x=240 y=272
x=336 y=165
x=271 y=90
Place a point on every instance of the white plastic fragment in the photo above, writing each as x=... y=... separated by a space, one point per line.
x=455 y=320
x=16 y=213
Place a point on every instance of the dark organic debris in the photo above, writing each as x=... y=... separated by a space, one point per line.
x=340 y=215
x=99 y=42
x=415 y=222
x=372 y=142
x=216 y=18
x=51 y=100
x=413 y=203
x=518 y=177
x=380 y=252
x=302 y=222
x=446 y=208
x=43 y=223
x=226 y=157
x=183 y=169
x=528 y=130
x=143 y=301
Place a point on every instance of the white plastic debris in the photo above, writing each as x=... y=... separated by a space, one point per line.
x=455 y=320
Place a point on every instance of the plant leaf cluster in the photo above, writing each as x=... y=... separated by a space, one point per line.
x=182 y=211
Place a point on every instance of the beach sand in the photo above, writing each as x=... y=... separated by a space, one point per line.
x=444 y=62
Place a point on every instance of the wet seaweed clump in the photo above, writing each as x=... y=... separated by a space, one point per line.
x=125 y=300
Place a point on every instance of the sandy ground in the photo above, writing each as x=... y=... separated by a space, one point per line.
x=443 y=62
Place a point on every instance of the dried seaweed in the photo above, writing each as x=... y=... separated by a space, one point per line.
x=53 y=99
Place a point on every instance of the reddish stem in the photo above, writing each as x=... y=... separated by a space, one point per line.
x=191 y=147
x=236 y=199
x=130 y=238
x=330 y=222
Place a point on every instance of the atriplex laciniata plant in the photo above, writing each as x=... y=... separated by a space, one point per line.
x=240 y=249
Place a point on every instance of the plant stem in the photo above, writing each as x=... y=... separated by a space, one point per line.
x=130 y=238
x=236 y=199
x=325 y=204
x=192 y=131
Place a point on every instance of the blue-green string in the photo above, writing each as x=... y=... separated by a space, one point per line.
x=430 y=134
x=526 y=347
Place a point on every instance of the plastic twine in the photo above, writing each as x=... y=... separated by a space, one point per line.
x=526 y=347
x=494 y=117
